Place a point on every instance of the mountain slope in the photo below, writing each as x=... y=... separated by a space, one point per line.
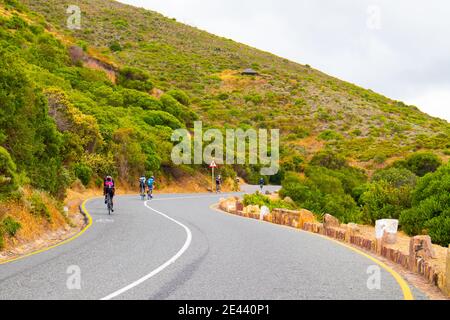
x=299 y=100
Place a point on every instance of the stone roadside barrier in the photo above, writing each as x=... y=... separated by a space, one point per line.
x=418 y=259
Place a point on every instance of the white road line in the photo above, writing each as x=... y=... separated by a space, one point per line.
x=161 y=267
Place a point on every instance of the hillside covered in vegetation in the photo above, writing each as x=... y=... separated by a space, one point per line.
x=104 y=99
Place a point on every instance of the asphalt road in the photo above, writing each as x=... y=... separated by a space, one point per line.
x=177 y=247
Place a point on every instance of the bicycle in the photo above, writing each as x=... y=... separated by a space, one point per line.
x=150 y=193
x=142 y=192
x=109 y=204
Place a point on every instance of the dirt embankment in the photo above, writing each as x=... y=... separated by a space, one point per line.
x=39 y=221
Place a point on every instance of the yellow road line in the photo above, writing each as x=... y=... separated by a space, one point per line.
x=83 y=207
x=406 y=290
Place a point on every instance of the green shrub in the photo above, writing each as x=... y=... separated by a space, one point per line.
x=262 y=200
x=16 y=22
x=396 y=177
x=329 y=159
x=38 y=207
x=8 y=176
x=140 y=99
x=420 y=163
x=134 y=78
x=172 y=106
x=430 y=210
x=161 y=118
x=321 y=192
x=180 y=96
x=83 y=172
x=10 y=226
x=384 y=201
x=301 y=132
x=115 y=46
x=439 y=229
x=255 y=98
x=343 y=207
x=31 y=135
x=328 y=135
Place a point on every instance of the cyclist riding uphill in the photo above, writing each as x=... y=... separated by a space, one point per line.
x=262 y=182
x=142 y=181
x=109 y=187
x=218 y=183
x=150 y=186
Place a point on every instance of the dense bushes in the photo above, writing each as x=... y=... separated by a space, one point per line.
x=29 y=134
x=261 y=200
x=173 y=106
x=382 y=200
x=388 y=194
x=9 y=226
x=180 y=96
x=430 y=210
x=140 y=99
x=324 y=190
x=330 y=185
x=38 y=206
x=8 y=175
x=328 y=159
x=83 y=172
x=420 y=163
x=134 y=78
x=60 y=121
x=161 y=118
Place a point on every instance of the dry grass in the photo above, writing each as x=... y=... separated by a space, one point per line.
x=33 y=227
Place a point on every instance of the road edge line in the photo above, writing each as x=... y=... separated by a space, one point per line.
x=404 y=286
x=169 y=262
x=87 y=218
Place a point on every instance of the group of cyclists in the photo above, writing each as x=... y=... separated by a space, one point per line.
x=109 y=188
x=146 y=187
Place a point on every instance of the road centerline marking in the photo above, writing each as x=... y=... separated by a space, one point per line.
x=172 y=260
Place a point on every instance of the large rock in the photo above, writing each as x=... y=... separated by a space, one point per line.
x=306 y=216
x=352 y=230
x=239 y=206
x=330 y=221
x=252 y=209
x=420 y=246
x=386 y=229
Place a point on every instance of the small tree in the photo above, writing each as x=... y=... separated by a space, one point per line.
x=8 y=177
x=430 y=212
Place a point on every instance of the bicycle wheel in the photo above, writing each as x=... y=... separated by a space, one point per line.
x=109 y=205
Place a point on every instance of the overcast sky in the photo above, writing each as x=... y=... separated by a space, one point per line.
x=400 y=48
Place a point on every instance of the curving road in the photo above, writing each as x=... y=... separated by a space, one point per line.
x=177 y=247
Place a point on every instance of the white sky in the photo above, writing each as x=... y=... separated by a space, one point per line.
x=400 y=48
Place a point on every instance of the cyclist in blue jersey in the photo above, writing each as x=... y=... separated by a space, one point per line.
x=150 y=186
